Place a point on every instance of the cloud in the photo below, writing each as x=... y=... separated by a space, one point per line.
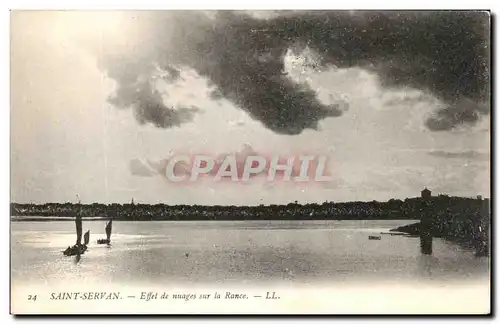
x=139 y=94
x=471 y=154
x=458 y=113
x=139 y=168
x=443 y=52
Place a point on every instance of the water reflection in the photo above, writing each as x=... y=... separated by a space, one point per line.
x=427 y=264
x=426 y=243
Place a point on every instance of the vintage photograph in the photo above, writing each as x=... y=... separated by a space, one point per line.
x=250 y=162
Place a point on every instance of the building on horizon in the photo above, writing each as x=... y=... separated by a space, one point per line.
x=426 y=194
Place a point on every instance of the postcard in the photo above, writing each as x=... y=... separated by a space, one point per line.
x=250 y=162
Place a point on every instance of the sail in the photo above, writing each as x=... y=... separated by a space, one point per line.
x=86 y=238
x=78 y=221
x=108 y=229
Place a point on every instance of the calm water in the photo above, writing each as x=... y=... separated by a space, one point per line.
x=235 y=252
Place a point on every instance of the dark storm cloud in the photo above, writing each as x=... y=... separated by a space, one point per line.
x=246 y=66
x=136 y=91
x=445 y=53
x=149 y=107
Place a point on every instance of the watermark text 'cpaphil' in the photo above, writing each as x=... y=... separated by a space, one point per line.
x=303 y=168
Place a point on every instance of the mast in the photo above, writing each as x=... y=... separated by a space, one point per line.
x=78 y=222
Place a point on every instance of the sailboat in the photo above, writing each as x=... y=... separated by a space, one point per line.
x=78 y=248
x=107 y=240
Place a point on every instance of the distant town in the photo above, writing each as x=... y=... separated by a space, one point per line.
x=460 y=219
x=410 y=208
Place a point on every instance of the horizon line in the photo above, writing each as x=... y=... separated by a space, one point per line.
x=256 y=205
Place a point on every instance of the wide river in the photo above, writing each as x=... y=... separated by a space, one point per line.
x=291 y=255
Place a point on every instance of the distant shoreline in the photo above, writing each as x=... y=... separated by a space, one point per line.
x=411 y=208
x=51 y=218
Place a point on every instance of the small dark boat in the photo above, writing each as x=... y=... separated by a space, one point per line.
x=78 y=248
x=372 y=237
x=394 y=233
x=107 y=240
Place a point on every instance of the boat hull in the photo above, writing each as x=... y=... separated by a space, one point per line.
x=75 y=250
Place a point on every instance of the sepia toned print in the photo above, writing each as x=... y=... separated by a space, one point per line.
x=250 y=162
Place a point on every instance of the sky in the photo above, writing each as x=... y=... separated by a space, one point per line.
x=97 y=95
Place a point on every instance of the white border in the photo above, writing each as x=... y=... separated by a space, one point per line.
x=185 y=4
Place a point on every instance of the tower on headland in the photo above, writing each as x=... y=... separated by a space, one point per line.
x=426 y=194
x=426 y=222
